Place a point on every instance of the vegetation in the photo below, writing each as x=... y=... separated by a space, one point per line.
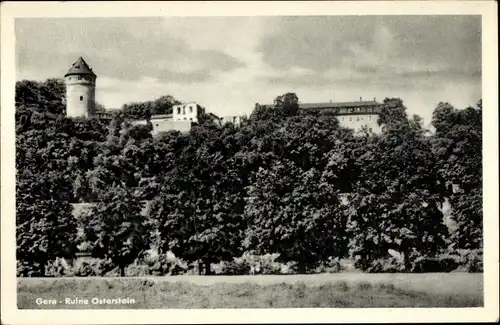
x=298 y=187
x=162 y=293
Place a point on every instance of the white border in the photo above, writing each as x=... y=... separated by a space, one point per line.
x=487 y=9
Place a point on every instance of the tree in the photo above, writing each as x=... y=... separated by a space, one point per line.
x=285 y=105
x=45 y=226
x=295 y=213
x=48 y=96
x=397 y=197
x=116 y=229
x=457 y=143
x=199 y=209
x=143 y=110
x=392 y=113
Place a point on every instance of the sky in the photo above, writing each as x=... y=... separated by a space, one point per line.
x=227 y=64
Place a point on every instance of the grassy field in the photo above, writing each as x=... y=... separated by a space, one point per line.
x=330 y=291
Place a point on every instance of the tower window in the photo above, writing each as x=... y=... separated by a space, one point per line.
x=81 y=98
x=190 y=109
x=183 y=110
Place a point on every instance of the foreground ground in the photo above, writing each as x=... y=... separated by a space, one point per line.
x=325 y=290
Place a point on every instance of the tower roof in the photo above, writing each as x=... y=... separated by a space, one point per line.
x=80 y=67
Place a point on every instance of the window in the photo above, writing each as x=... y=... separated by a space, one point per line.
x=342 y=118
x=370 y=117
x=79 y=77
x=185 y=119
x=157 y=125
x=81 y=98
x=183 y=110
x=357 y=119
x=190 y=109
x=350 y=119
x=190 y=118
x=178 y=110
x=370 y=129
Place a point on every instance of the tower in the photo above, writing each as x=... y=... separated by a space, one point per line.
x=80 y=89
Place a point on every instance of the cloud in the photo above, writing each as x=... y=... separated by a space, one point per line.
x=116 y=47
x=377 y=46
x=230 y=63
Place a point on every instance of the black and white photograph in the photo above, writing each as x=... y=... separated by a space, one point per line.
x=295 y=160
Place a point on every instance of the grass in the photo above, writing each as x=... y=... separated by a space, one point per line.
x=162 y=293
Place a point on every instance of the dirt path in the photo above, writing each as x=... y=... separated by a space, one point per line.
x=445 y=283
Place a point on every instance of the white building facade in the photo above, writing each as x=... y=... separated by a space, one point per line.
x=359 y=116
x=187 y=112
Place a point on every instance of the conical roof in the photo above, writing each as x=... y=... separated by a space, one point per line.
x=80 y=67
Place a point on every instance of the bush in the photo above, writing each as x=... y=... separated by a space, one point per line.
x=332 y=265
x=164 y=264
x=58 y=268
x=255 y=264
x=474 y=261
x=29 y=269
x=384 y=265
x=442 y=263
x=137 y=270
x=81 y=267
x=470 y=260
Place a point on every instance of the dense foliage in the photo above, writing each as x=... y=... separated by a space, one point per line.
x=298 y=187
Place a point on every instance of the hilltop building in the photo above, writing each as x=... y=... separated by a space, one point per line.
x=236 y=120
x=80 y=83
x=187 y=112
x=354 y=115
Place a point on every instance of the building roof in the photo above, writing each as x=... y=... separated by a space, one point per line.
x=339 y=104
x=334 y=104
x=161 y=116
x=186 y=103
x=80 y=67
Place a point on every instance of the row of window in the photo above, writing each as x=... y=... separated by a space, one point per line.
x=184 y=110
x=358 y=118
x=358 y=109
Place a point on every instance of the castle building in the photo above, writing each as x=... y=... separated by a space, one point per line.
x=236 y=120
x=164 y=122
x=80 y=83
x=183 y=117
x=357 y=115
x=187 y=112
